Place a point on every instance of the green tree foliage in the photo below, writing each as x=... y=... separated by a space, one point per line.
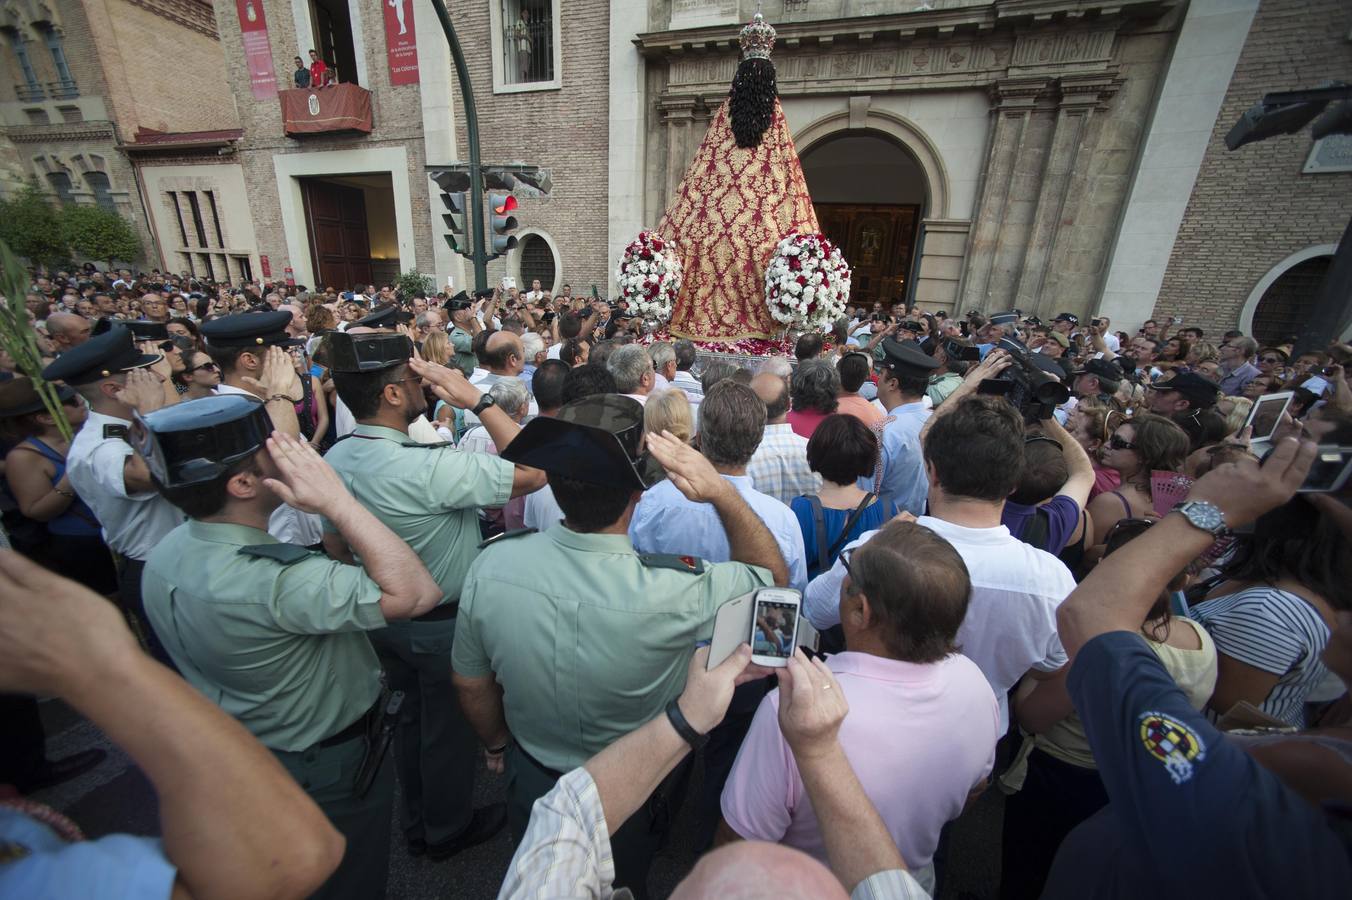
x=412 y=281
x=31 y=226
x=95 y=233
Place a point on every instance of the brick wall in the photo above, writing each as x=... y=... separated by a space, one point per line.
x=1252 y=208
x=397 y=114
x=566 y=131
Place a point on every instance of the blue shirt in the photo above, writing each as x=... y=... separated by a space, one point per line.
x=38 y=864
x=1188 y=807
x=904 y=485
x=666 y=522
x=872 y=518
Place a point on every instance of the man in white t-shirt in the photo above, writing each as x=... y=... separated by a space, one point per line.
x=923 y=721
x=974 y=459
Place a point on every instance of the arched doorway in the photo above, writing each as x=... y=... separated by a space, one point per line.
x=1283 y=299
x=870 y=195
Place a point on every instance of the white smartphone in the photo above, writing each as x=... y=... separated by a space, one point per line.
x=1266 y=413
x=774 y=626
x=1330 y=472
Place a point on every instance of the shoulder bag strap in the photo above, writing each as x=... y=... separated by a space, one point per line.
x=819 y=529
x=849 y=524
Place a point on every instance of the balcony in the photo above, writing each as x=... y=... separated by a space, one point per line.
x=29 y=93
x=326 y=110
x=62 y=90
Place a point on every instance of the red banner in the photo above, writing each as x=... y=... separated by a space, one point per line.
x=253 y=26
x=401 y=43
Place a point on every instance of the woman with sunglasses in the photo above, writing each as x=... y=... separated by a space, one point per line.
x=1139 y=446
x=1062 y=786
x=1091 y=424
x=199 y=377
x=68 y=536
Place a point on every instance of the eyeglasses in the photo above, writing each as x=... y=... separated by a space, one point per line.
x=844 y=558
x=1117 y=442
x=209 y=366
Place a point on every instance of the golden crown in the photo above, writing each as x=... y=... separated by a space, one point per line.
x=757 y=38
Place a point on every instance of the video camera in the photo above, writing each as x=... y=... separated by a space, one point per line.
x=1034 y=391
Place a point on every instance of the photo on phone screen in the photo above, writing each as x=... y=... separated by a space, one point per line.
x=1266 y=413
x=774 y=626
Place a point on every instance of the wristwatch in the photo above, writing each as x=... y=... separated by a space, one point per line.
x=1204 y=515
x=683 y=728
x=484 y=402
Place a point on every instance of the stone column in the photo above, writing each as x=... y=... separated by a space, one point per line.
x=1061 y=190
x=1011 y=170
x=678 y=113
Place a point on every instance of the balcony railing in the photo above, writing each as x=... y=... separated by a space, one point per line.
x=326 y=110
x=62 y=90
x=29 y=93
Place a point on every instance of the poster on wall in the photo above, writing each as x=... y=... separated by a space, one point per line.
x=401 y=42
x=253 y=26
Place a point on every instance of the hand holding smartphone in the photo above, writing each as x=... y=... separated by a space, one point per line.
x=774 y=626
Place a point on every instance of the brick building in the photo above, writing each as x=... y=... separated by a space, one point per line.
x=86 y=77
x=1263 y=221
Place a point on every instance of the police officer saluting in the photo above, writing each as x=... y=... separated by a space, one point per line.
x=116 y=377
x=429 y=495
x=272 y=632
x=461 y=310
x=570 y=639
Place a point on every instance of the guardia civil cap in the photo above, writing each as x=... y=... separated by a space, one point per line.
x=250 y=329
x=1005 y=318
x=148 y=331
x=197 y=441
x=906 y=358
x=367 y=352
x=100 y=357
x=594 y=439
x=384 y=317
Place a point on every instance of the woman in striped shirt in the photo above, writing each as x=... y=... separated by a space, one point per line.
x=1271 y=616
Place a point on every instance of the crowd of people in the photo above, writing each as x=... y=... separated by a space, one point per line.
x=360 y=536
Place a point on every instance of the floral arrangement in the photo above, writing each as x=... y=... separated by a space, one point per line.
x=649 y=276
x=807 y=282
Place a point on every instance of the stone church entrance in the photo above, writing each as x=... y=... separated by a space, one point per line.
x=870 y=195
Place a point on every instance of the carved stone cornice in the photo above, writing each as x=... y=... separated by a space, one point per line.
x=38 y=135
x=194 y=14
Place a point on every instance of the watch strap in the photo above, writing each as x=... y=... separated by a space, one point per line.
x=683 y=728
x=484 y=402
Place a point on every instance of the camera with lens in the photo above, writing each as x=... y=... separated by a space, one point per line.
x=1034 y=390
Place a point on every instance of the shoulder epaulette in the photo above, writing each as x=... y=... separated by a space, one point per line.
x=506 y=536
x=286 y=554
x=115 y=431
x=437 y=446
x=692 y=564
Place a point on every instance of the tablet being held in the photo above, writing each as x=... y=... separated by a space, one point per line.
x=774 y=626
x=1266 y=413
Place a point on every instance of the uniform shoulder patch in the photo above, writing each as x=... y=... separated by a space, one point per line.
x=115 y=431
x=286 y=554
x=692 y=564
x=506 y=536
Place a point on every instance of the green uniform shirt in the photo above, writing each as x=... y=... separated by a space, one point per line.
x=463 y=344
x=427 y=494
x=940 y=386
x=587 y=641
x=280 y=646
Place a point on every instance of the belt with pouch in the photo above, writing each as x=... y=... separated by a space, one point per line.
x=439 y=613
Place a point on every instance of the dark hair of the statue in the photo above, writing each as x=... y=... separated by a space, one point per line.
x=751 y=102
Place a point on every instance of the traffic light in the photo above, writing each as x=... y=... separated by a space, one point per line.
x=454 y=184
x=503 y=223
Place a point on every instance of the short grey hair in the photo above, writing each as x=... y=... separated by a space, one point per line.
x=815 y=386
x=429 y=319
x=629 y=363
x=778 y=365
x=531 y=344
x=731 y=423
x=715 y=372
x=511 y=396
x=1246 y=345
x=661 y=353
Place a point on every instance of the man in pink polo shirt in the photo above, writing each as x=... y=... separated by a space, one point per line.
x=923 y=720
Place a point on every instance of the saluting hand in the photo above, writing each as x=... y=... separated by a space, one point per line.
x=691 y=473
x=447 y=382
x=306 y=482
x=143 y=392
x=278 y=376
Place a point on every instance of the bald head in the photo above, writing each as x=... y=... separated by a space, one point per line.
x=755 y=870
x=774 y=393
x=67 y=330
x=504 y=354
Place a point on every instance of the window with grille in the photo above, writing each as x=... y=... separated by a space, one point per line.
x=1289 y=301
x=103 y=190
x=60 y=183
x=31 y=89
x=528 y=53
x=537 y=261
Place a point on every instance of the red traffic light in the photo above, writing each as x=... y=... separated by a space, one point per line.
x=507 y=206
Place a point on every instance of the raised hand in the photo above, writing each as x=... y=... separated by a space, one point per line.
x=278 y=376
x=447 y=382
x=707 y=693
x=162 y=367
x=143 y=391
x=1244 y=490
x=306 y=482
x=811 y=705
x=691 y=473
